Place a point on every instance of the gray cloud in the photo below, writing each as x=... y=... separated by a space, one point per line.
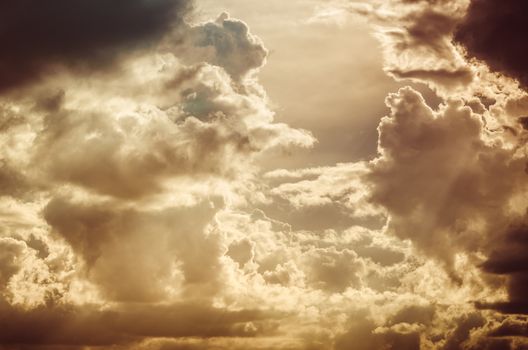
x=80 y=34
x=228 y=43
x=133 y=214
x=434 y=176
x=494 y=31
x=143 y=248
x=88 y=326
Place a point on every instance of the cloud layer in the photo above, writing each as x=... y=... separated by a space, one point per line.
x=135 y=212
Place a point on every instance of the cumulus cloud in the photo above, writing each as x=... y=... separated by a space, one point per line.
x=134 y=214
x=356 y=286
x=435 y=175
x=228 y=43
x=112 y=183
x=11 y=259
x=454 y=156
x=452 y=179
x=206 y=123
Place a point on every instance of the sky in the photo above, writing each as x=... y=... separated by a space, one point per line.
x=264 y=175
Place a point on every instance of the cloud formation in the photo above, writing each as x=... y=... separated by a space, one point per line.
x=453 y=178
x=37 y=36
x=135 y=212
x=416 y=37
x=494 y=32
x=435 y=171
x=228 y=43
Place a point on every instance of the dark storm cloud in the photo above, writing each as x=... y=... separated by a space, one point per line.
x=83 y=34
x=524 y=122
x=510 y=259
x=511 y=328
x=495 y=31
x=88 y=326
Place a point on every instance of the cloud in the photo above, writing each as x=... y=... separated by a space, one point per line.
x=112 y=183
x=416 y=36
x=363 y=336
x=494 y=32
x=89 y=326
x=134 y=214
x=228 y=43
x=321 y=198
x=38 y=36
x=434 y=176
x=449 y=78
x=365 y=296
x=157 y=119
x=508 y=258
x=10 y=259
x=432 y=172
x=241 y=251
x=114 y=241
